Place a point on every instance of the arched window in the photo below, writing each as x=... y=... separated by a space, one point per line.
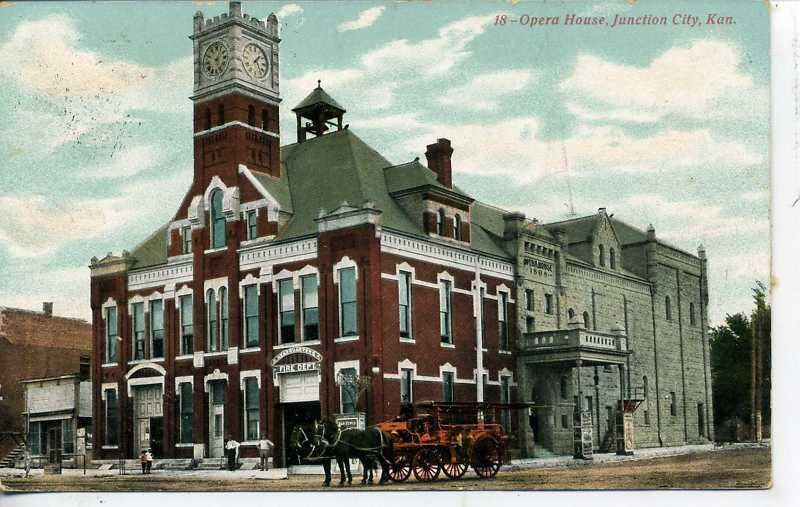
x=457 y=227
x=208 y=118
x=440 y=222
x=251 y=115
x=221 y=113
x=692 y=318
x=211 y=321
x=264 y=119
x=586 y=322
x=601 y=255
x=667 y=308
x=217 y=220
x=645 y=387
x=612 y=258
x=223 y=328
x=571 y=314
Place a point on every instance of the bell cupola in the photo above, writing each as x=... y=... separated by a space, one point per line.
x=317 y=114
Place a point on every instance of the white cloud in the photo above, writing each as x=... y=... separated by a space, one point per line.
x=287 y=10
x=67 y=288
x=484 y=92
x=690 y=81
x=365 y=19
x=125 y=163
x=756 y=196
x=749 y=266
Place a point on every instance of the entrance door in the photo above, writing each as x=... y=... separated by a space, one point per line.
x=293 y=414
x=148 y=404
x=216 y=420
x=143 y=427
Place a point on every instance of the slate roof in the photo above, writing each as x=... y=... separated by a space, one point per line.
x=317 y=96
x=153 y=250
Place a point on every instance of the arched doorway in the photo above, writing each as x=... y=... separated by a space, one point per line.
x=146 y=391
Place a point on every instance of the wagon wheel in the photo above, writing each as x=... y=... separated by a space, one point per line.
x=400 y=468
x=486 y=458
x=454 y=470
x=426 y=464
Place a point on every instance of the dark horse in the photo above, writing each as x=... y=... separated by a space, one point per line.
x=368 y=446
x=308 y=448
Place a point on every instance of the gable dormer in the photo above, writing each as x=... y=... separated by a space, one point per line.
x=606 y=251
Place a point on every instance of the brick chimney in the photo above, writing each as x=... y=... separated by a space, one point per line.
x=47 y=308
x=439 y=155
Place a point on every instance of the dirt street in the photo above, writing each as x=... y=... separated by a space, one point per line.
x=735 y=468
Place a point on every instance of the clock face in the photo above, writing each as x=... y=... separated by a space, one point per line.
x=255 y=61
x=215 y=59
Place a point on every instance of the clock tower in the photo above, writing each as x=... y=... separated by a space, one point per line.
x=236 y=95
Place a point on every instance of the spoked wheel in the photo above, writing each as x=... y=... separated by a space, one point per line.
x=426 y=464
x=486 y=458
x=454 y=470
x=400 y=468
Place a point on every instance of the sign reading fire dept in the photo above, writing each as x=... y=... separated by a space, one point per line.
x=296 y=366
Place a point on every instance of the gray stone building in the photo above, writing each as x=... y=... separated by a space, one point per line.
x=608 y=312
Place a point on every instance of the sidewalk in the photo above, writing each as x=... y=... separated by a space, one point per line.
x=218 y=475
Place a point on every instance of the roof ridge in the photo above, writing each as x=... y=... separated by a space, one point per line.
x=570 y=219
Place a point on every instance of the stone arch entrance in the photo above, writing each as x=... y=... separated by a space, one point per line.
x=145 y=384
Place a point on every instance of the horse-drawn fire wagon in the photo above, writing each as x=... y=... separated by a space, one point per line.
x=433 y=437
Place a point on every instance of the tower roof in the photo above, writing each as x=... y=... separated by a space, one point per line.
x=316 y=97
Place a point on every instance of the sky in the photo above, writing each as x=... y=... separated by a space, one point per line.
x=661 y=124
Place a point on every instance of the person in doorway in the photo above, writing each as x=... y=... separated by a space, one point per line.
x=149 y=457
x=265 y=447
x=232 y=452
x=143 y=460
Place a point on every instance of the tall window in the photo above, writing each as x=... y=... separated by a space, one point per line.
x=404 y=288
x=217 y=220
x=251 y=115
x=112 y=418
x=406 y=379
x=221 y=113
x=612 y=258
x=667 y=308
x=309 y=286
x=445 y=305
x=251 y=316
x=111 y=335
x=673 y=408
x=186 y=412
x=645 y=387
x=264 y=119
x=440 y=222
x=186 y=236
x=35 y=438
x=286 y=310
x=251 y=408
x=347 y=302
x=68 y=436
x=529 y=300
x=502 y=318
x=571 y=314
x=138 y=331
x=505 y=397
x=564 y=388
x=587 y=323
x=483 y=317
x=187 y=325
x=548 y=304
x=211 y=321
x=208 y=118
x=252 y=224
x=601 y=253
x=157 y=327
x=457 y=227
x=348 y=395
x=223 y=328
x=692 y=317
x=530 y=324
x=447 y=386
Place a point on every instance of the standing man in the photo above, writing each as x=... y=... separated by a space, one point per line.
x=232 y=452
x=265 y=447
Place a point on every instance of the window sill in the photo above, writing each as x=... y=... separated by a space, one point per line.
x=142 y=361
x=504 y=352
x=287 y=345
x=184 y=445
x=109 y=365
x=310 y=342
x=215 y=354
x=447 y=345
x=109 y=447
x=215 y=250
x=343 y=339
x=250 y=349
x=184 y=357
x=407 y=340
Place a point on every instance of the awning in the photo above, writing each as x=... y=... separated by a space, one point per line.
x=50 y=417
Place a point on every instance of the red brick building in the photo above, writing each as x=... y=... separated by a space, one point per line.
x=35 y=345
x=289 y=271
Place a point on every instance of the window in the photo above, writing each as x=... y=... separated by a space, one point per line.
x=440 y=222
x=701 y=419
x=612 y=258
x=157 y=328
x=502 y=318
x=587 y=323
x=35 y=438
x=564 y=388
x=221 y=114
x=186 y=236
x=692 y=318
x=647 y=417
x=505 y=397
x=252 y=224
x=404 y=288
x=457 y=227
x=601 y=255
x=251 y=115
x=264 y=119
x=406 y=382
x=548 y=304
x=208 y=118
x=645 y=387
x=251 y=316
x=138 y=331
x=112 y=418
x=589 y=404
x=347 y=302
x=571 y=314
x=67 y=436
x=529 y=300
x=483 y=317
x=251 y=409
x=564 y=421
x=186 y=412
x=211 y=321
x=223 y=328
x=448 y=380
x=530 y=324
x=444 y=310
x=111 y=335
x=673 y=407
x=187 y=325
x=310 y=297
x=348 y=393
x=217 y=220
x=286 y=310
x=667 y=308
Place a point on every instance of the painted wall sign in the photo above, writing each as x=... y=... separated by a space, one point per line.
x=296 y=350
